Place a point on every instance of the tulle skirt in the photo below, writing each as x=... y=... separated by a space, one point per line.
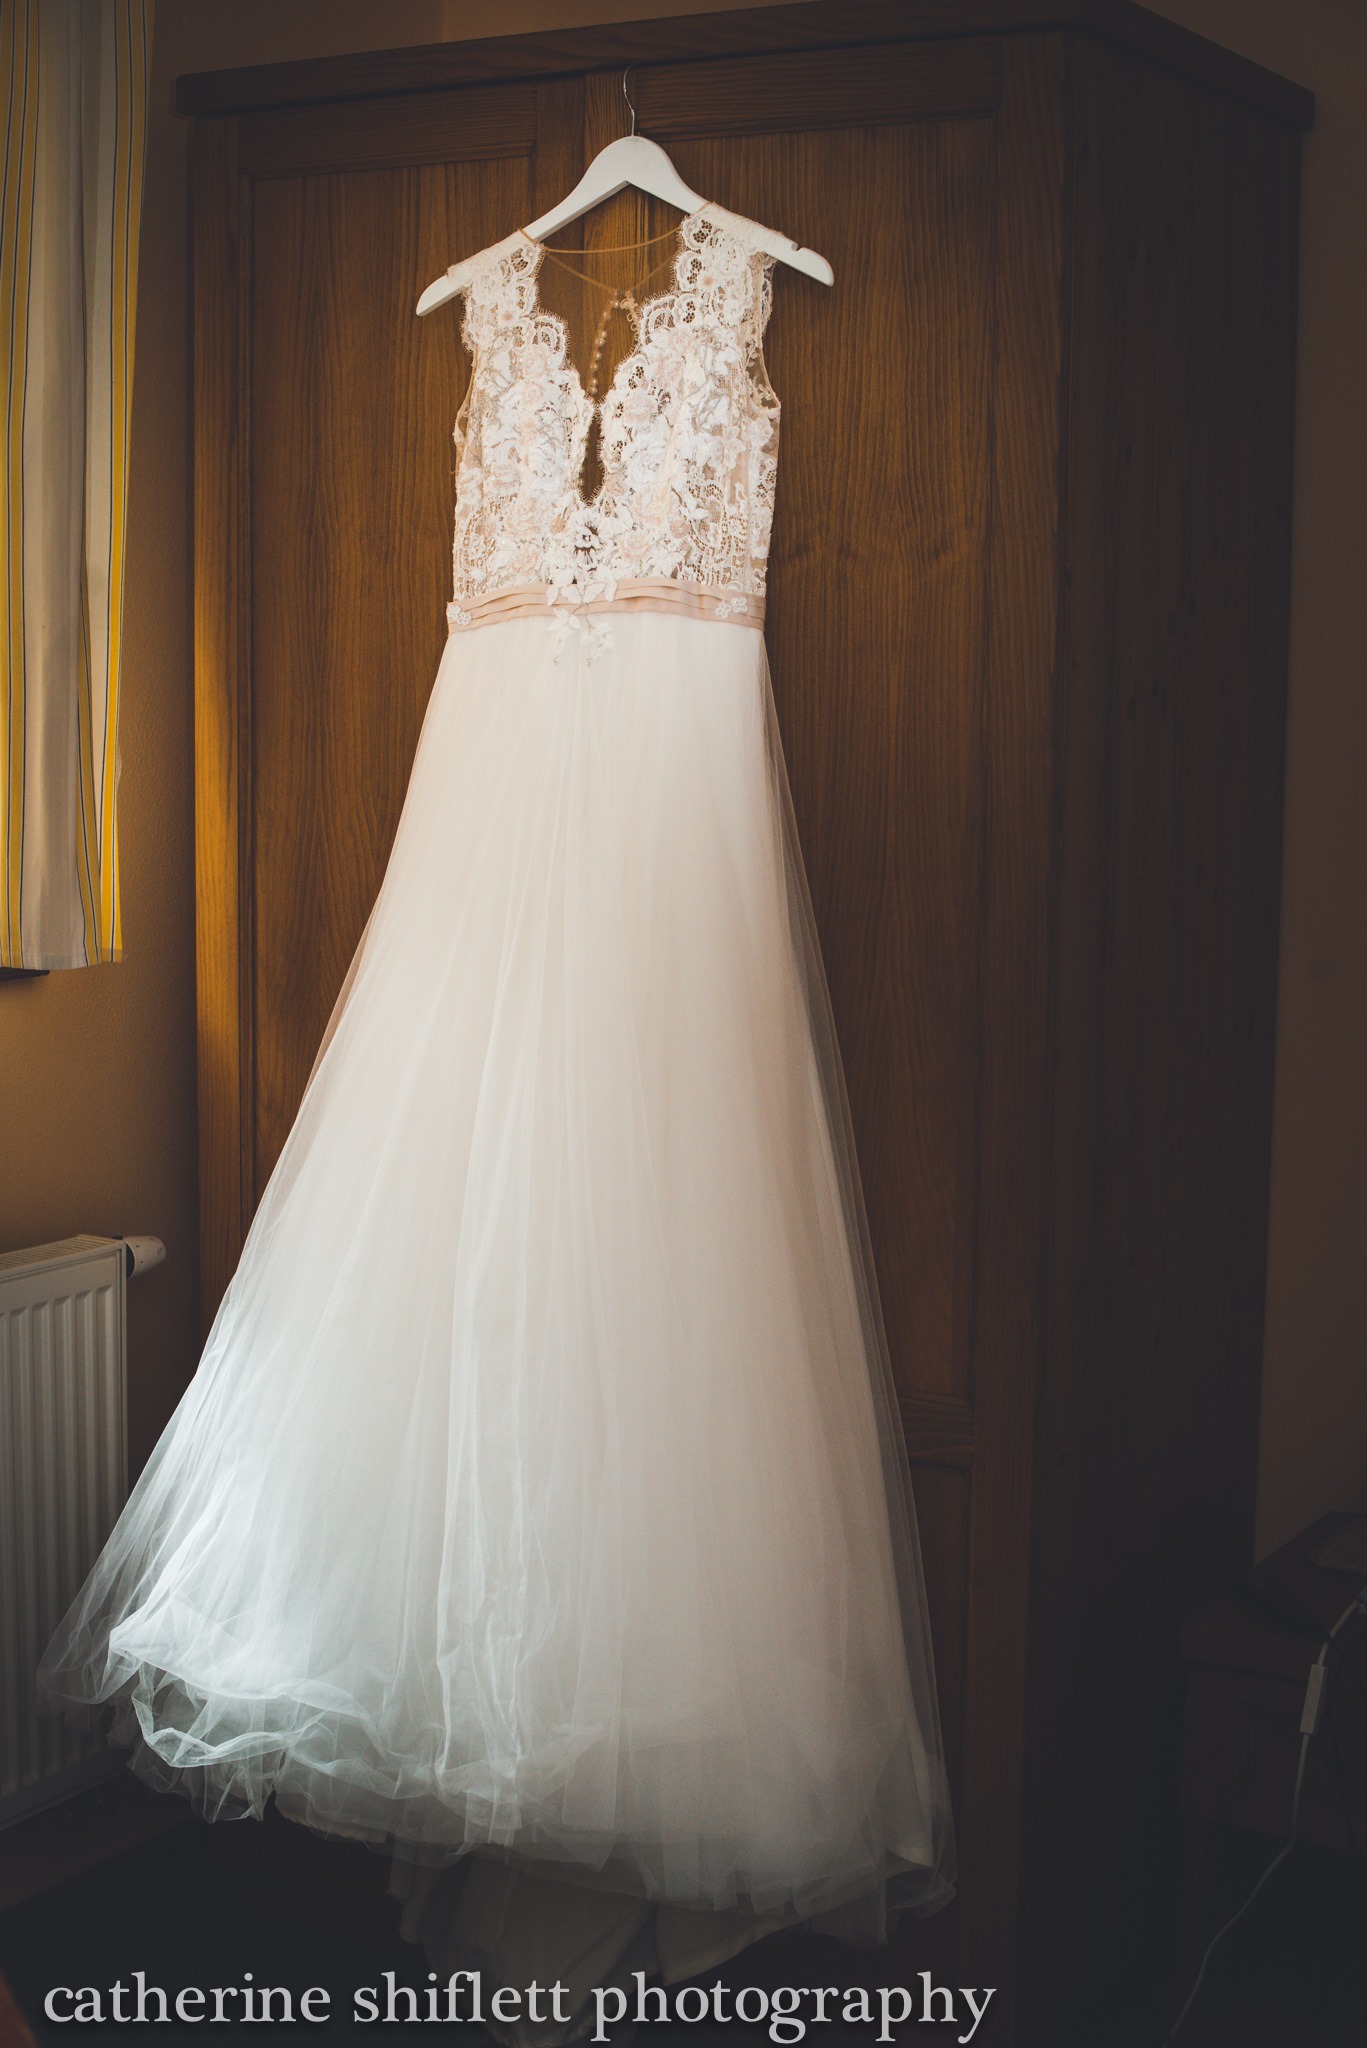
x=540 y=1490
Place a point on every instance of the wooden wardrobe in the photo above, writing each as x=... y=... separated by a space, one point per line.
x=1028 y=627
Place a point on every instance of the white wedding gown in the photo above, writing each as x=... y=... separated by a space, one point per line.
x=540 y=1490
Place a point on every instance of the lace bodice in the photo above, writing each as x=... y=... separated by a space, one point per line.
x=688 y=436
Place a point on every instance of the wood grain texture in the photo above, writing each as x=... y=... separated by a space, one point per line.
x=1172 y=711
x=876 y=609
x=822 y=24
x=351 y=461
x=938 y=1430
x=1012 y=810
x=790 y=91
x=423 y=128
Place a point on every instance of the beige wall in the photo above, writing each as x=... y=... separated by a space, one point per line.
x=97 y=1118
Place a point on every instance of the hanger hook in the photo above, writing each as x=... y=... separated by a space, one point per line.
x=627 y=97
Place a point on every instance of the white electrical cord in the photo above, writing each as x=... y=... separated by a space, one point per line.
x=1310 y=1718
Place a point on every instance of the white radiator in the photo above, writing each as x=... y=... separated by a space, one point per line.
x=62 y=1483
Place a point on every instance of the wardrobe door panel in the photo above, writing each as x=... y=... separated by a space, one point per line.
x=323 y=533
x=352 y=405
x=876 y=592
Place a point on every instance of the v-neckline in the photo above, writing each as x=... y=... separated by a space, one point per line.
x=543 y=312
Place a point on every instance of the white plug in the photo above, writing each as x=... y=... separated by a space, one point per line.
x=1314 y=1694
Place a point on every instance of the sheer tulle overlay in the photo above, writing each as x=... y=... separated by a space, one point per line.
x=540 y=1486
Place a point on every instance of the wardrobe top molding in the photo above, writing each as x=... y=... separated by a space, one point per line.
x=759 y=31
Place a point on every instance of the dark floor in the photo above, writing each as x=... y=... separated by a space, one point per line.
x=201 y=1906
x=1289 y=1974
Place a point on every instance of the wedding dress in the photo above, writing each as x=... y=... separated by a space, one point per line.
x=540 y=1492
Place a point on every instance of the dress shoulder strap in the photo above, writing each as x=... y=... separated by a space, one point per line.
x=726 y=263
x=489 y=277
x=484 y=261
x=739 y=226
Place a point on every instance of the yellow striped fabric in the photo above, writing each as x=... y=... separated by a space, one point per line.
x=73 y=87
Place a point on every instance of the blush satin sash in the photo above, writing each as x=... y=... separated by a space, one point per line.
x=643 y=593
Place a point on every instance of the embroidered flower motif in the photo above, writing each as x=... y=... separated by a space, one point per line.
x=593 y=631
x=688 y=436
x=597 y=638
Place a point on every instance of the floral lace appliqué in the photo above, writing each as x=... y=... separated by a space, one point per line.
x=688 y=436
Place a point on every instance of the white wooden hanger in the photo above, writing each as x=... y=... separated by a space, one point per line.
x=633 y=160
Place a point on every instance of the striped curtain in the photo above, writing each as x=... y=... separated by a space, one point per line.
x=73 y=86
